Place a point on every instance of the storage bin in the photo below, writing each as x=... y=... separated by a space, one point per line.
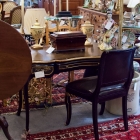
x=115 y=106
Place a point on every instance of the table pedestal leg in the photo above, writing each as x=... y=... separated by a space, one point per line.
x=4 y=125
x=26 y=105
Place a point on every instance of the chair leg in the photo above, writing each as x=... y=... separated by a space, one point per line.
x=102 y=108
x=20 y=103
x=124 y=109
x=4 y=125
x=95 y=120
x=68 y=108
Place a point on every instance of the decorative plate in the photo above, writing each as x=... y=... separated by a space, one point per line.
x=126 y=45
x=137 y=9
x=128 y=36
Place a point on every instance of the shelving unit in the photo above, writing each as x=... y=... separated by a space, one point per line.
x=124 y=27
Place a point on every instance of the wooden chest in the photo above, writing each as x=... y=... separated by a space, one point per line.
x=64 y=41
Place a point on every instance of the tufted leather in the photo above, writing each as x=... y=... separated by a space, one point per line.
x=114 y=77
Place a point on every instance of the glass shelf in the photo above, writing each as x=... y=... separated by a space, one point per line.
x=131 y=27
x=52 y=18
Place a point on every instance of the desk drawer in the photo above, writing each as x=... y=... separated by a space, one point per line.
x=48 y=69
x=76 y=65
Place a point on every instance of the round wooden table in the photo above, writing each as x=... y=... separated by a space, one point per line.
x=15 y=65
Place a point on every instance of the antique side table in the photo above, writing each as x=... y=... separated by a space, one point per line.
x=15 y=65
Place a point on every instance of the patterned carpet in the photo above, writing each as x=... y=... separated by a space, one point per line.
x=111 y=130
x=37 y=93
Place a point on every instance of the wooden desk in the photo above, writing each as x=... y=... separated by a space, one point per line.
x=64 y=61
x=58 y=62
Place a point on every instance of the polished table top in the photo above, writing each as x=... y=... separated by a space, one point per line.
x=41 y=56
x=15 y=61
x=57 y=62
x=63 y=61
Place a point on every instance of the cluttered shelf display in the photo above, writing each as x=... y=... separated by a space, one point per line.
x=131 y=27
x=113 y=28
x=100 y=5
x=103 y=14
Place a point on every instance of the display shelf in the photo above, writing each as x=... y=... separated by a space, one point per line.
x=52 y=18
x=131 y=27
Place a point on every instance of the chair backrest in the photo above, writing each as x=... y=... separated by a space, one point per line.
x=60 y=28
x=116 y=67
x=8 y=6
x=15 y=15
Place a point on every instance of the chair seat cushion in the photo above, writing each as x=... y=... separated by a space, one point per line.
x=85 y=88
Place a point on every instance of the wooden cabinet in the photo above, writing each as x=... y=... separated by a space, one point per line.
x=96 y=18
x=49 y=5
x=73 y=6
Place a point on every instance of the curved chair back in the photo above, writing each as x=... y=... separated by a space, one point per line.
x=15 y=15
x=113 y=80
x=8 y=6
x=116 y=67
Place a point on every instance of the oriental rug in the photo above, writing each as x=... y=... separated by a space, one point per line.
x=37 y=93
x=111 y=130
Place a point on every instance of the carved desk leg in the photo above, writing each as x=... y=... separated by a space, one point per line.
x=71 y=76
x=49 y=90
x=4 y=125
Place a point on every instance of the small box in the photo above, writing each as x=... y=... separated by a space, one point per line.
x=65 y=41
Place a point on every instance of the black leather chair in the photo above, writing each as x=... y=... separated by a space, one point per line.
x=113 y=80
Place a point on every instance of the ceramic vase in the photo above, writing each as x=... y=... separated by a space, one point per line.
x=87 y=29
x=37 y=33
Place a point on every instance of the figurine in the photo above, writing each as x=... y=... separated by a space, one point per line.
x=86 y=3
x=108 y=36
x=104 y=9
x=110 y=4
x=90 y=4
x=93 y=4
x=108 y=21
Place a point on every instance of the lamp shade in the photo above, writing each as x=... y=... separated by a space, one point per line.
x=133 y=3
